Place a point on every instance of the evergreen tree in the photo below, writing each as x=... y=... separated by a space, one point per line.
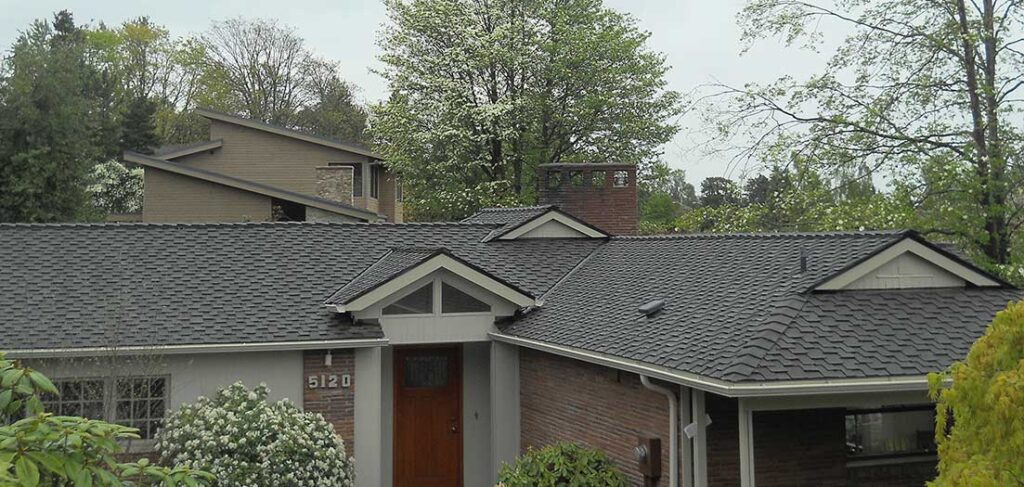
x=49 y=127
x=138 y=131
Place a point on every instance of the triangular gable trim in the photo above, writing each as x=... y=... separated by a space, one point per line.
x=442 y=260
x=583 y=228
x=913 y=244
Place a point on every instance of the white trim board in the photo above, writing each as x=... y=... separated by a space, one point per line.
x=846 y=278
x=425 y=268
x=724 y=388
x=523 y=231
x=198 y=348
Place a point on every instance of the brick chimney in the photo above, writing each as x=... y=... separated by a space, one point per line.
x=604 y=195
x=334 y=183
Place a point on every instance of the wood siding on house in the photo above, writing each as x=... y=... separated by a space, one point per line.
x=267 y=158
x=169 y=197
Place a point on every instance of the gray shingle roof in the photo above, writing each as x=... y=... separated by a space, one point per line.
x=506 y=219
x=737 y=309
x=104 y=285
x=393 y=263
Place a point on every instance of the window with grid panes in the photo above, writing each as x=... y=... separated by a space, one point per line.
x=140 y=402
x=78 y=397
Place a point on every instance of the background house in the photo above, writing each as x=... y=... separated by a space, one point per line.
x=252 y=171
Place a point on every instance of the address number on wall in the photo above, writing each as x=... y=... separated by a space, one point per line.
x=332 y=381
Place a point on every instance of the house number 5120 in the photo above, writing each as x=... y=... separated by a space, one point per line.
x=332 y=381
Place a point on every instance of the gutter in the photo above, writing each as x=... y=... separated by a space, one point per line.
x=198 y=348
x=673 y=428
x=721 y=387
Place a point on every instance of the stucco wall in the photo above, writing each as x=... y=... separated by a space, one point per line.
x=169 y=197
x=193 y=375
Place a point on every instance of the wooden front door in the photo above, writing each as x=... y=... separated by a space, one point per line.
x=428 y=417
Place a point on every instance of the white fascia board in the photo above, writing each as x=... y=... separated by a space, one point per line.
x=427 y=267
x=199 y=348
x=723 y=388
x=557 y=216
x=917 y=248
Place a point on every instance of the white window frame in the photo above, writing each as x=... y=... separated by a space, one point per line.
x=438 y=296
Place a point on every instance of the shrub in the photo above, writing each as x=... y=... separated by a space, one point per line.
x=244 y=440
x=38 y=448
x=979 y=425
x=562 y=464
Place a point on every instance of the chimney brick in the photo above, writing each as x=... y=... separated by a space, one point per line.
x=334 y=183
x=603 y=195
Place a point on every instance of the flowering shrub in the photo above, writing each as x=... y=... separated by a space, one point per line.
x=244 y=440
x=562 y=464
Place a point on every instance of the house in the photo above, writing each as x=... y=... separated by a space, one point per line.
x=441 y=350
x=253 y=171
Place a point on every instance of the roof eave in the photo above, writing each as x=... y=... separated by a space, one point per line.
x=285 y=132
x=197 y=348
x=722 y=387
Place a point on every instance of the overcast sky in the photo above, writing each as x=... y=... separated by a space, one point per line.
x=699 y=38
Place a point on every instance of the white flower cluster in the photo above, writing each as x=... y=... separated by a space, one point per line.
x=246 y=441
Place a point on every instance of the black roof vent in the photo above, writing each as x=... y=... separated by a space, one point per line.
x=652 y=307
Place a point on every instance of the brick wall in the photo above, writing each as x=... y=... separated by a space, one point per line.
x=568 y=400
x=589 y=192
x=337 y=405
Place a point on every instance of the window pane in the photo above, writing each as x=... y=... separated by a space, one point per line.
x=455 y=301
x=140 y=403
x=890 y=432
x=426 y=371
x=375 y=181
x=421 y=301
x=598 y=179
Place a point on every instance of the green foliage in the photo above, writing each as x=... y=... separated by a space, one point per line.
x=50 y=98
x=920 y=92
x=979 y=425
x=244 y=440
x=43 y=449
x=116 y=188
x=483 y=92
x=562 y=464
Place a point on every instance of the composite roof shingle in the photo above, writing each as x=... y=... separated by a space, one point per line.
x=83 y=286
x=737 y=308
x=506 y=219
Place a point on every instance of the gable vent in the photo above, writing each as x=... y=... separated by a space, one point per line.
x=650 y=308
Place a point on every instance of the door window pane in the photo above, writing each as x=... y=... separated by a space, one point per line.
x=455 y=301
x=890 y=432
x=420 y=301
x=425 y=371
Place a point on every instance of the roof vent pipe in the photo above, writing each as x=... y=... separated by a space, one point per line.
x=803 y=260
x=648 y=309
x=673 y=428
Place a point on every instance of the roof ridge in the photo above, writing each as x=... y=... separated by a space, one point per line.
x=219 y=224
x=498 y=209
x=758 y=235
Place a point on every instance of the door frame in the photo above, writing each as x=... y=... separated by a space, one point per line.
x=396 y=354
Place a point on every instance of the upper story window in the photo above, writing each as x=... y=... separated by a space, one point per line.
x=357 y=176
x=454 y=300
x=137 y=402
x=399 y=191
x=598 y=179
x=450 y=299
x=418 y=302
x=375 y=181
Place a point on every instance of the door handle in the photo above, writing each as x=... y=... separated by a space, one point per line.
x=455 y=425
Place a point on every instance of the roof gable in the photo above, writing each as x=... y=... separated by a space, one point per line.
x=910 y=262
x=545 y=221
x=176 y=151
x=399 y=268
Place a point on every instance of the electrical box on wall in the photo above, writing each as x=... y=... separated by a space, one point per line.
x=648 y=459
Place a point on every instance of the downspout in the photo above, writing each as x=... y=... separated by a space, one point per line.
x=673 y=427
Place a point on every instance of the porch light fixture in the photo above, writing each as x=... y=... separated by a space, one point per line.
x=328 y=359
